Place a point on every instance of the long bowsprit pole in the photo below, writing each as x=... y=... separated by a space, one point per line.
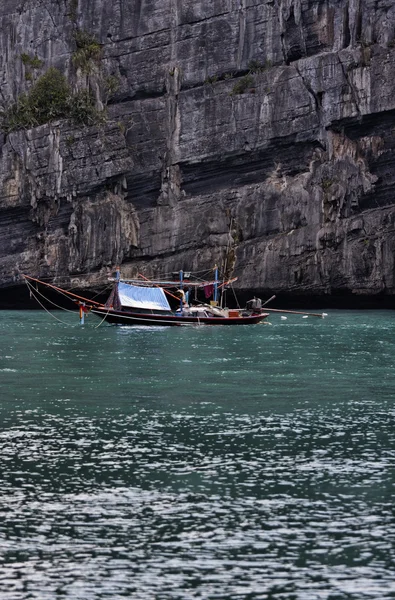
x=296 y=312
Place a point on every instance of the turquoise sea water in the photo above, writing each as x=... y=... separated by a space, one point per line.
x=226 y=463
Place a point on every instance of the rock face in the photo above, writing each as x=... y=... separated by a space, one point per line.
x=256 y=134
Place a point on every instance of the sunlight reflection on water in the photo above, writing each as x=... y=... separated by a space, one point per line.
x=226 y=463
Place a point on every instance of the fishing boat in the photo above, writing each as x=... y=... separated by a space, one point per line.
x=146 y=302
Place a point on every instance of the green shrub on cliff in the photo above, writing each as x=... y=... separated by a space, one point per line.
x=31 y=61
x=50 y=98
x=243 y=85
x=88 y=51
x=111 y=85
x=18 y=116
x=257 y=67
x=82 y=108
x=73 y=10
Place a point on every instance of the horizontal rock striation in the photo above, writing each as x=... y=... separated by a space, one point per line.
x=255 y=134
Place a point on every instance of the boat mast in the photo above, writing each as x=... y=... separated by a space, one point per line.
x=216 y=284
x=181 y=287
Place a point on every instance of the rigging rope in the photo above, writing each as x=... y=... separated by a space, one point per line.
x=33 y=291
x=234 y=293
x=103 y=319
x=105 y=289
x=48 y=300
x=46 y=310
x=63 y=292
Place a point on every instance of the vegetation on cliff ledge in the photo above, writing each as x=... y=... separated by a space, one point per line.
x=88 y=52
x=243 y=85
x=32 y=64
x=50 y=98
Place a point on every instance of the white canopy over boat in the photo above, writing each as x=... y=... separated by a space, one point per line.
x=149 y=298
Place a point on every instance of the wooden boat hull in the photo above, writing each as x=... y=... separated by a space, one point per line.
x=129 y=318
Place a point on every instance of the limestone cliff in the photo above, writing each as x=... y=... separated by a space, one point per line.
x=260 y=132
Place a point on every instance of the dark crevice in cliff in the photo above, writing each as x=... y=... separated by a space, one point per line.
x=354 y=92
x=298 y=38
x=248 y=168
x=138 y=95
x=346 y=28
x=358 y=21
x=129 y=38
x=16 y=217
x=317 y=98
x=144 y=94
x=383 y=194
x=163 y=256
x=144 y=189
x=60 y=221
x=294 y=38
x=232 y=75
x=194 y=21
x=380 y=159
x=16 y=233
x=375 y=123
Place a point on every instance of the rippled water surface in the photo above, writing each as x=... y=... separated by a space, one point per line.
x=232 y=463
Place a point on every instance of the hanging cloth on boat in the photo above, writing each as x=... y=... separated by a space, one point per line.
x=113 y=300
x=208 y=290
